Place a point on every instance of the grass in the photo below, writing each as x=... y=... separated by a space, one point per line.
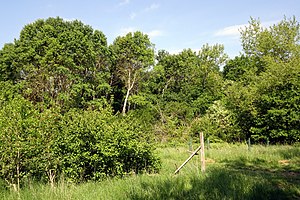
x=233 y=172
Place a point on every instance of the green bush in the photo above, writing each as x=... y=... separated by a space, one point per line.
x=80 y=145
x=95 y=144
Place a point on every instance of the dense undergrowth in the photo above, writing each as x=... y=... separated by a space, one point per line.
x=233 y=172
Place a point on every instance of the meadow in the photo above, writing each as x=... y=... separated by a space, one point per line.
x=233 y=171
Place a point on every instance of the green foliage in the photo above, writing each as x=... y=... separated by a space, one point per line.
x=264 y=96
x=278 y=41
x=96 y=144
x=134 y=54
x=277 y=105
x=28 y=143
x=183 y=86
x=217 y=124
x=7 y=65
x=55 y=66
x=60 y=62
x=79 y=145
x=239 y=99
x=16 y=119
x=237 y=69
x=8 y=91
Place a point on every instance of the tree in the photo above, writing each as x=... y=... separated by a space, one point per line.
x=211 y=58
x=16 y=119
x=237 y=68
x=263 y=86
x=217 y=123
x=182 y=86
x=277 y=102
x=278 y=41
x=7 y=65
x=190 y=77
x=134 y=55
x=60 y=62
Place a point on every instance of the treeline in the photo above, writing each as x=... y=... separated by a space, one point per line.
x=72 y=104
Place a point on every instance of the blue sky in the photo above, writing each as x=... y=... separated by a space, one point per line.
x=172 y=25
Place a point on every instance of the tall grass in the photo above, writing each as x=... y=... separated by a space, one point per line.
x=233 y=172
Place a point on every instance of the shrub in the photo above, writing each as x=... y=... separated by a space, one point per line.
x=80 y=145
x=95 y=144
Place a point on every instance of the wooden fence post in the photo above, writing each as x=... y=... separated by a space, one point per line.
x=202 y=155
x=249 y=144
x=190 y=143
x=208 y=144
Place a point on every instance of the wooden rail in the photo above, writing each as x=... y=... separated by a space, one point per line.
x=202 y=156
x=187 y=160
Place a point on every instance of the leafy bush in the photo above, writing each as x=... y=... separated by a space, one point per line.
x=80 y=145
x=15 y=120
x=94 y=144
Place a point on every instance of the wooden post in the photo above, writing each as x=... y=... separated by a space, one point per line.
x=190 y=144
x=208 y=143
x=249 y=144
x=202 y=155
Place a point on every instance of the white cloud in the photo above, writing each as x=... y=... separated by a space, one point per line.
x=234 y=31
x=155 y=33
x=231 y=31
x=124 y=2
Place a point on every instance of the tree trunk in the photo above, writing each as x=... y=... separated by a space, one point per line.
x=130 y=85
x=166 y=86
x=125 y=102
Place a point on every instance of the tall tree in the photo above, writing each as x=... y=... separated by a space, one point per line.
x=134 y=55
x=276 y=101
x=183 y=86
x=59 y=61
x=190 y=77
x=278 y=41
x=264 y=97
